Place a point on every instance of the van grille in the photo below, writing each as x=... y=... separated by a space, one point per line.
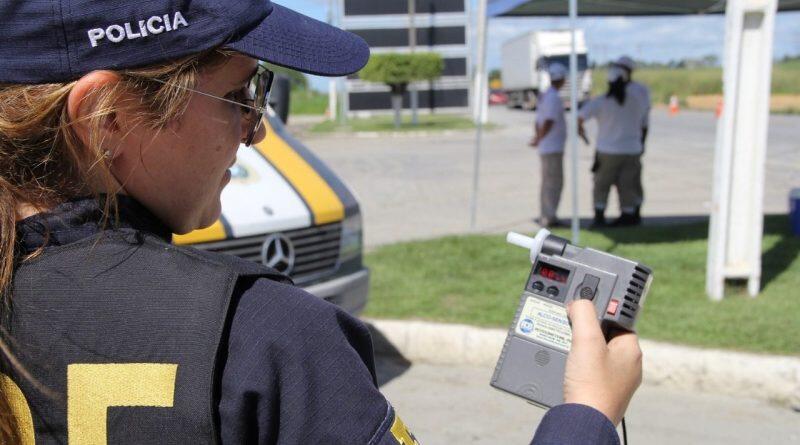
x=316 y=250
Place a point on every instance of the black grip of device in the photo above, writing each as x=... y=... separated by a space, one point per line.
x=554 y=245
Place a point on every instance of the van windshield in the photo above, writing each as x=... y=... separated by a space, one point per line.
x=564 y=60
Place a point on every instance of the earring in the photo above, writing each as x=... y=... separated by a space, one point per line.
x=108 y=154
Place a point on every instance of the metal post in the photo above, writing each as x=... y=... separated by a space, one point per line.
x=412 y=45
x=573 y=120
x=341 y=82
x=479 y=108
x=333 y=103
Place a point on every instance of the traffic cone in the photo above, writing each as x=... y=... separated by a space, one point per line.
x=718 y=111
x=674 y=105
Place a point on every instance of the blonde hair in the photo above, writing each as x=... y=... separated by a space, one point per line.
x=44 y=163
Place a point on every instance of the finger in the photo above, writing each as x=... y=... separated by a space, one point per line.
x=585 y=326
x=615 y=331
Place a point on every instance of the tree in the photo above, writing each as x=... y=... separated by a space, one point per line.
x=398 y=70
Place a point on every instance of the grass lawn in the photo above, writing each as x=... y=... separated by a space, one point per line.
x=307 y=102
x=478 y=279
x=664 y=82
x=427 y=122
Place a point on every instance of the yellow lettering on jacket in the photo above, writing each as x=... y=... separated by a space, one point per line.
x=401 y=433
x=93 y=388
x=19 y=409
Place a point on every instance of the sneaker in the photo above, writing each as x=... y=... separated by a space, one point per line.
x=549 y=223
x=599 y=220
x=627 y=219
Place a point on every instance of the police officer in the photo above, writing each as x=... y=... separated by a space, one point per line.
x=550 y=135
x=621 y=114
x=118 y=124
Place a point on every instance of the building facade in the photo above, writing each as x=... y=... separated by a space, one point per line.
x=442 y=26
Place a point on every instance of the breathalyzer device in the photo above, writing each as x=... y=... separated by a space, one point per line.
x=534 y=356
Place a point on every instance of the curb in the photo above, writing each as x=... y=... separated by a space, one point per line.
x=775 y=379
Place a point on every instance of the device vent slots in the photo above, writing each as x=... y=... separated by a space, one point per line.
x=634 y=292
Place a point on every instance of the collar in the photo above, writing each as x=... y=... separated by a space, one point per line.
x=81 y=218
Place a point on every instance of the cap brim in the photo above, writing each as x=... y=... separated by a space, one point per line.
x=295 y=41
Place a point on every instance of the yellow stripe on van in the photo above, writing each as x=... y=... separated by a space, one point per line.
x=324 y=203
x=216 y=232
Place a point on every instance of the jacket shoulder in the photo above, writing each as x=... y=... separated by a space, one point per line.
x=240 y=266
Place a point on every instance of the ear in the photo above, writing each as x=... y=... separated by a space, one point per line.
x=83 y=103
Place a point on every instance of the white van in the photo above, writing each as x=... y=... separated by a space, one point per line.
x=285 y=208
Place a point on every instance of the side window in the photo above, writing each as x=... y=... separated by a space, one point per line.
x=19 y=409
x=92 y=388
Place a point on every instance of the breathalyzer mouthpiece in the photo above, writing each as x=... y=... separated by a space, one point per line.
x=543 y=242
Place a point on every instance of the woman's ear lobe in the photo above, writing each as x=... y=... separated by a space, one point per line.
x=82 y=102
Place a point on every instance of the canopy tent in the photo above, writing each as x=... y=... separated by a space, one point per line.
x=532 y=8
x=734 y=249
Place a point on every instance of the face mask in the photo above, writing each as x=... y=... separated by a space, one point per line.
x=616 y=73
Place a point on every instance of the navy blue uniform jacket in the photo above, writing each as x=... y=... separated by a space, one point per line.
x=296 y=369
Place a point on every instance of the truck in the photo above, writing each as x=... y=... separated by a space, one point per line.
x=525 y=60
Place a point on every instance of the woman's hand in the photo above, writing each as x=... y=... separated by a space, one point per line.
x=599 y=374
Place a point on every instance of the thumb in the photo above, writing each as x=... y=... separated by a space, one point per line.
x=585 y=327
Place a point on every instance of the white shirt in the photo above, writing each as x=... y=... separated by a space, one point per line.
x=619 y=129
x=550 y=108
x=643 y=92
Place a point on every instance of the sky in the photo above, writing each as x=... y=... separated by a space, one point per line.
x=653 y=39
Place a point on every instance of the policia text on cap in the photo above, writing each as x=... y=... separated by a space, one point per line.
x=118 y=123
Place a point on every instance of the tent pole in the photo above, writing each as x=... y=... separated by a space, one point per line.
x=573 y=120
x=479 y=112
x=737 y=211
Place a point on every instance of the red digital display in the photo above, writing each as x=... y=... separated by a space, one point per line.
x=552 y=272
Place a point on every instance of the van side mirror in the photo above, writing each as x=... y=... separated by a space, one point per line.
x=279 y=96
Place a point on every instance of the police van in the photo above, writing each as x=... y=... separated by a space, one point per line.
x=286 y=209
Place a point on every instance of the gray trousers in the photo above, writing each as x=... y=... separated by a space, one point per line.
x=622 y=171
x=552 y=183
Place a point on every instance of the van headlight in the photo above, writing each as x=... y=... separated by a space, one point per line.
x=352 y=238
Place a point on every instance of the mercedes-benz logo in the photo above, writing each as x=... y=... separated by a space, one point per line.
x=277 y=252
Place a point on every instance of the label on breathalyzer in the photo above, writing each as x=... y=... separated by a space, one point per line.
x=545 y=323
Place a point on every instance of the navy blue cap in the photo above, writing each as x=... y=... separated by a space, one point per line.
x=45 y=41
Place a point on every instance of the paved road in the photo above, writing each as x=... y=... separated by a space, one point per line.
x=425 y=182
x=419 y=187
x=456 y=405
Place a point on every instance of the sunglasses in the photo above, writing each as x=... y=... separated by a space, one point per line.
x=254 y=100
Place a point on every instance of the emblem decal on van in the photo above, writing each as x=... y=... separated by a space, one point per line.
x=277 y=252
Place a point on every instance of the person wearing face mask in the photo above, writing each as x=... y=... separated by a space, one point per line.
x=641 y=91
x=620 y=114
x=119 y=123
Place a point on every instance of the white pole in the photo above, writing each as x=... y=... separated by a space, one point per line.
x=736 y=227
x=479 y=105
x=412 y=45
x=343 y=105
x=573 y=120
x=332 y=87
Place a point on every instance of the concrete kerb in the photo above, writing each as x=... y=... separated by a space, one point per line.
x=775 y=379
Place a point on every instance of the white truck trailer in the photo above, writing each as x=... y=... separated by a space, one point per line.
x=525 y=60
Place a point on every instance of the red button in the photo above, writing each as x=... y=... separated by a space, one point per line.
x=612 y=307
